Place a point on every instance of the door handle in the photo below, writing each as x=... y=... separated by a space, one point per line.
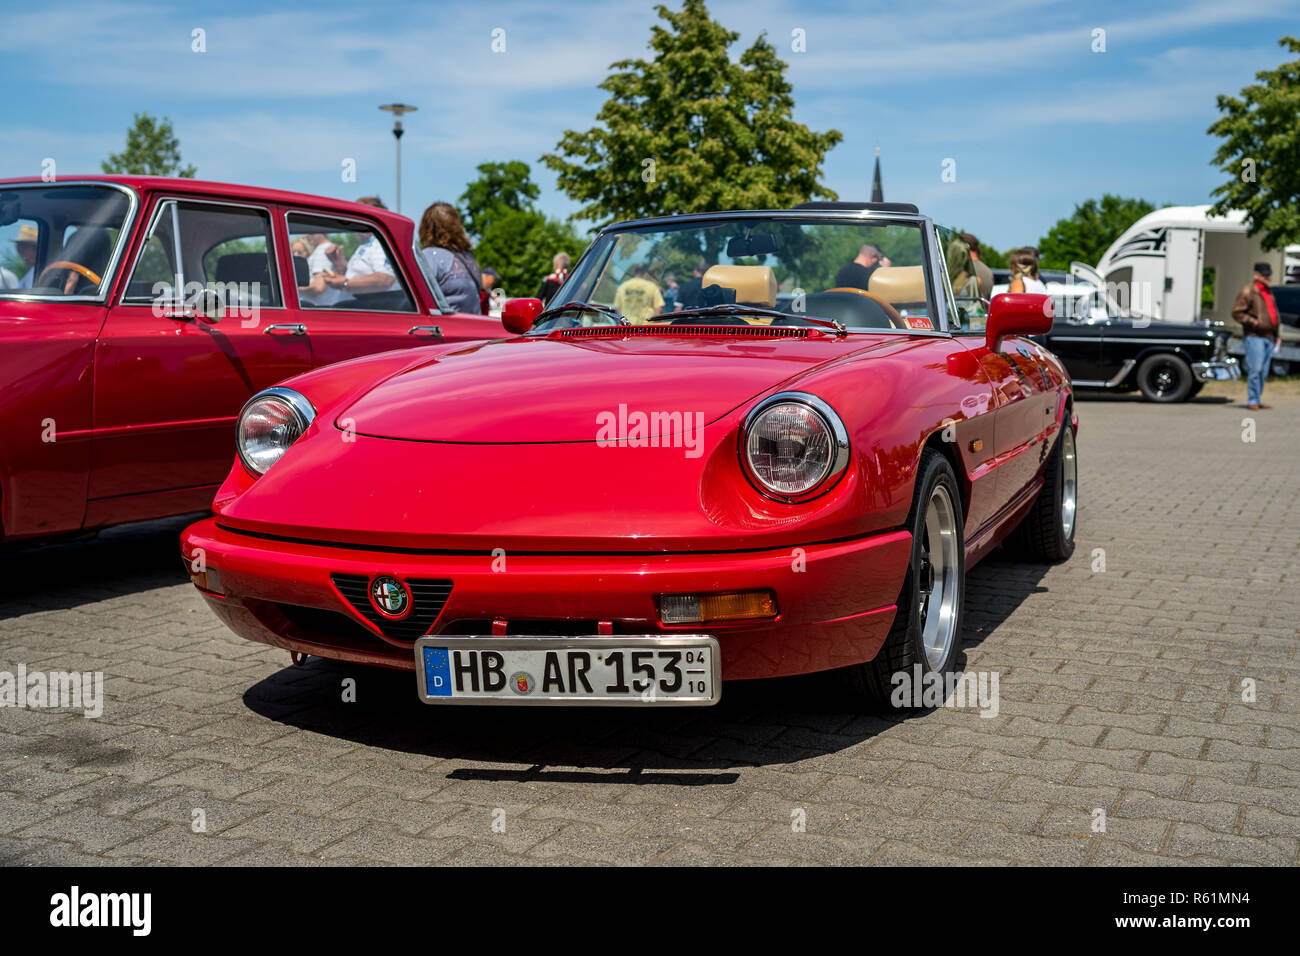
x=180 y=314
x=433 y=331
x=293 y=328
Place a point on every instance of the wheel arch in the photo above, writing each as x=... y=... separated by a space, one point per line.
x=948 y=449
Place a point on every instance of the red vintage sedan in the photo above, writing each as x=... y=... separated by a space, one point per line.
x=139 y=314
x=782 y=465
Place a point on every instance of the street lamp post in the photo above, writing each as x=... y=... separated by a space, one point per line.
x=397 y=109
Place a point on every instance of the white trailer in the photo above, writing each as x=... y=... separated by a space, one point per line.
x=1180 y=264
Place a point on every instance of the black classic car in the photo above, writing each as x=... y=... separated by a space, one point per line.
x=1166 y=361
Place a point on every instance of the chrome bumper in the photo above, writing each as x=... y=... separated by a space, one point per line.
x=1223 y=370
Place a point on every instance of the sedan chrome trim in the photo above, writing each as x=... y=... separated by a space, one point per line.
x=1119 y=377
x=1124 y=338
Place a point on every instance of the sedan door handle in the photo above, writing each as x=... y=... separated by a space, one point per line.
x=292 y=328
x=433 y=331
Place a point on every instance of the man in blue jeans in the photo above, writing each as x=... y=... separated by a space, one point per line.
x=1260 y=331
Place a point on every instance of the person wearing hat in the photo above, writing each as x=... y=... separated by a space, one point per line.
x=26 y=246
x=1260 y=331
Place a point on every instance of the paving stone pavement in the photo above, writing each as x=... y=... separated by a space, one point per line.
x=1121 y=692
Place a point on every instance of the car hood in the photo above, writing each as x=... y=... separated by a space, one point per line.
x=579 y=388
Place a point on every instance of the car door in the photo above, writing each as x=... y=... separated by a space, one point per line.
x=1017 y=384
x=341 y=302
x=168 y=383
x=1077 y=343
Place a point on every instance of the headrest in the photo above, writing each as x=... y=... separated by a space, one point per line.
x=244 y=267
x=754 y=285
x=899 y=284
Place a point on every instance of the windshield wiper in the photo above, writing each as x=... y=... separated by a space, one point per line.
x=729 y=308
x=576 y=306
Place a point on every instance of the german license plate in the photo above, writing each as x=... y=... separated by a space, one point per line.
x=682 y=670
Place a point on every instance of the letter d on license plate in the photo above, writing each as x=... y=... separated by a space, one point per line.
x=681 y=670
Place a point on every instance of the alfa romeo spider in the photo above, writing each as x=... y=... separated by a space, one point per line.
x=780 y=465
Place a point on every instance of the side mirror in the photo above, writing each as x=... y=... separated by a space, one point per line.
x=1017 y=313
x=518 y=315
x=208 y=307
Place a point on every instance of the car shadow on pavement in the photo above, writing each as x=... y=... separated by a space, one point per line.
x=120 y=561
x=756 y=723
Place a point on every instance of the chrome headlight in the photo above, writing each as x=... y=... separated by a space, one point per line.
x=271 y=421
x=794 y=446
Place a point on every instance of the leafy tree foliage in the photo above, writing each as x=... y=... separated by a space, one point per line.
x=1085 y=235
x=1260 y=152
x=500 y=188
x=152 y=149
x=691 y=131
x=510 y=234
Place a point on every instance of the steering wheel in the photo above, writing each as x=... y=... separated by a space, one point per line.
x=890 y=312
x=67 y=264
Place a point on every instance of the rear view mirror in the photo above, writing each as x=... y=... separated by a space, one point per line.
x=518 y=315
x=760 y=244
x=1017 y=313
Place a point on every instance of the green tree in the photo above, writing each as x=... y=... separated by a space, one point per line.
x=510 y=234
x=500 y=187
x=691 y=131
x=152 y=149
x=1090 y=231
x=1260 y=152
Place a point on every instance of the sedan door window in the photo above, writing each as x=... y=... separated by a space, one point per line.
x=227 y=250
x=345 y=265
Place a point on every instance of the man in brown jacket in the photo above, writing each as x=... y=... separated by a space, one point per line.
x=1260 y=331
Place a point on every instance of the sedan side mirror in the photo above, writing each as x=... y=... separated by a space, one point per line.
x=1017 y=313
x=208 y=307
x=518 y=315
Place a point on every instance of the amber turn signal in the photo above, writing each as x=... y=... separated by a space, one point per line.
x=723 y=606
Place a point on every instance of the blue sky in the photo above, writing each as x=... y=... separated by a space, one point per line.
x=1011 y=90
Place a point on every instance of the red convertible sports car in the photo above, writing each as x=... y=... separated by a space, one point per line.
x=783 y=464
x=138 y=314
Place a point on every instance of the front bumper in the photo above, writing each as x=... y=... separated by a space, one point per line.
x=1223 y=370
x=835 y=601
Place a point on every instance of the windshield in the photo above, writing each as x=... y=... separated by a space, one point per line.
x=864 y=276
x=60 y=241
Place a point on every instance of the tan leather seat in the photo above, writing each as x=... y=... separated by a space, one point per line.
x=754 y=285
x=899 y=285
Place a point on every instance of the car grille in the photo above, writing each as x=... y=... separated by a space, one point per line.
x=427 y=600
x=633 y=331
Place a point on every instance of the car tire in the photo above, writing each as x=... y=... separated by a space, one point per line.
x=1047 y=532
x=1196 y=389
x=1165 y=377
x=926 y=628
